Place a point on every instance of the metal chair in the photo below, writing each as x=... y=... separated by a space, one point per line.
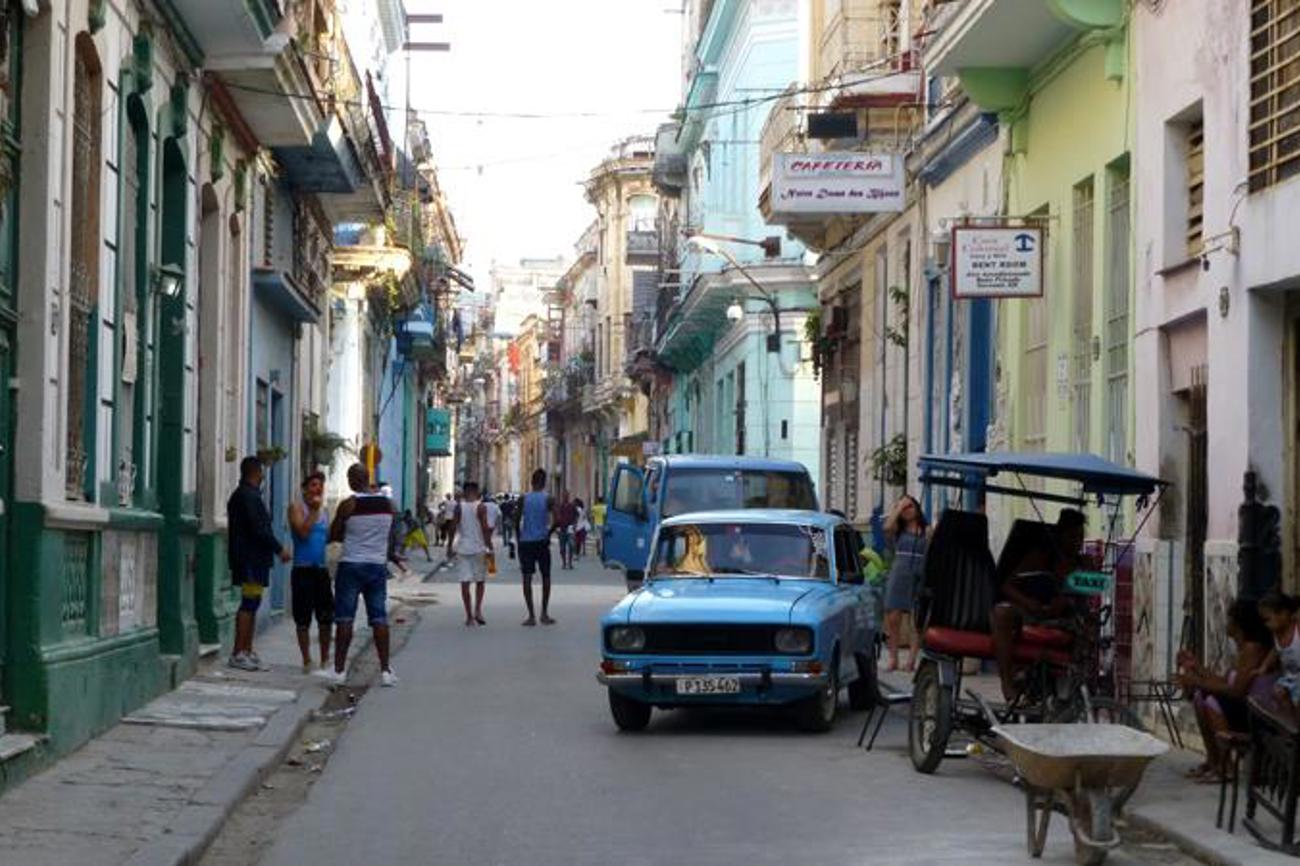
x=884 y=701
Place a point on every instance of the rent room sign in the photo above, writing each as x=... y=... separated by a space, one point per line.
x=997 y=262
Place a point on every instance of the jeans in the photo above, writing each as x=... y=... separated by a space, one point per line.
x=365 y=579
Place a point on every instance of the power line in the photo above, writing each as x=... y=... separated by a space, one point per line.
x=738 y=104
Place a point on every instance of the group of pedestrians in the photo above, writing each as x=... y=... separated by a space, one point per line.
x=364 y=525
x=470 y=537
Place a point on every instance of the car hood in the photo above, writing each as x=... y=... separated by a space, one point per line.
x=726 y=599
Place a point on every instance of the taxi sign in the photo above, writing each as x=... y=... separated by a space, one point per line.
x=1088 y=582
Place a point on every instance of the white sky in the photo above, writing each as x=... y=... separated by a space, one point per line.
x=615 y=57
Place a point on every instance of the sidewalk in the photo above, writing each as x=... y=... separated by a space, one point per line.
x=155 y=789
x=1166 y=803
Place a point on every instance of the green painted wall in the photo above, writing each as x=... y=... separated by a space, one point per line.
x=213 y=597
x=1077 y=125
x=66 y=680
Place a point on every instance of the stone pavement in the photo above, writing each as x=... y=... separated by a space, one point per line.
x=155 y=789
x=1166 y=804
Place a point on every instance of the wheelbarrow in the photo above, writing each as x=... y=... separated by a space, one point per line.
x=1088 y=771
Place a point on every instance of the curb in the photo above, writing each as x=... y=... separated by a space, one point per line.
x=1182 y=841
x=193 y=830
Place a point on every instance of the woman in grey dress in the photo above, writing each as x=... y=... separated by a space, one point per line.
x=905 y=529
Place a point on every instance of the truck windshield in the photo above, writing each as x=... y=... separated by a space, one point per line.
x=722 y=490
x=729 y=549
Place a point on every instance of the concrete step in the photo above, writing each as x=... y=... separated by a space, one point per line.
x=209 y=650
x=13 y=745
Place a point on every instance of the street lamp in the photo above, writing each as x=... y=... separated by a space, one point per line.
x=736 y=312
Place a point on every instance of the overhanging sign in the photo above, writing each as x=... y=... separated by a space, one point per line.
x=997 y=262
x=836 y=183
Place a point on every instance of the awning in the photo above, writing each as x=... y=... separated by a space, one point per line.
x=1095 y=474
x=282 y=292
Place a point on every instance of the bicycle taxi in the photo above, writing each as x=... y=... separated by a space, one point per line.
x=1063 y=661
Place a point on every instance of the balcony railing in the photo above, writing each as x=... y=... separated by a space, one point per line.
x=642 y=246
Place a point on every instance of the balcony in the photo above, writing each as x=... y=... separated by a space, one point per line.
x=281 y=291
x=670 y=168
x=786 y=133
x=291 y=86
x=642 y=246
x=994 y=70
x=417 y=335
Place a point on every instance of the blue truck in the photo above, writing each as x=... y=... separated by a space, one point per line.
x=641 y=498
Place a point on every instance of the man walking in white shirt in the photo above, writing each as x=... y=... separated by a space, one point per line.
x=470 y=541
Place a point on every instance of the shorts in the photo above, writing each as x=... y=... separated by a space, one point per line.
x=535 y=556
x=415 y=538
x=312 y=594
x=252 y=583
x=364 y=579
x=472 y=567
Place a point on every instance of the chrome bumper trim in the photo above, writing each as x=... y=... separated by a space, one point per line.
x=749 y=679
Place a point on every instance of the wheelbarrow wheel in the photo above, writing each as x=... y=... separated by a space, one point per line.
x=929 y=722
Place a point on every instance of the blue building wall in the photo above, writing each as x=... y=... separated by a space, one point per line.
x=395 y=396
x=748 y=51
x=271 y=377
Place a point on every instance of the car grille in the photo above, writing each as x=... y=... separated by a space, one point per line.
x=710 y=639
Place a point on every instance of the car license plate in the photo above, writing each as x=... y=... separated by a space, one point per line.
x=708 y=686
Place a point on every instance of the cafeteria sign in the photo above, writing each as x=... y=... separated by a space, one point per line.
x=836 y=183
x=997 y=262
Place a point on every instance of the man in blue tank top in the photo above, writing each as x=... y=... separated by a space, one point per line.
x=309 y=581
x=536 y=523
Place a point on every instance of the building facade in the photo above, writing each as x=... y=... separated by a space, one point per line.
x=182 y=167
x=729 y=325
x=1215 y=317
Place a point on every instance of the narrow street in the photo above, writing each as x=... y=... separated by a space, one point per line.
x=497 y=748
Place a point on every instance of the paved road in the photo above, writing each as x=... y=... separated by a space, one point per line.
x=498 y=750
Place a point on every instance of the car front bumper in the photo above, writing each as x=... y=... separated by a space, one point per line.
x=755 y=680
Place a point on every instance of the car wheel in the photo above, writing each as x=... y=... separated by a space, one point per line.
x=629 y=714
x=817 y=713
x=929 y=721
x=863 y=690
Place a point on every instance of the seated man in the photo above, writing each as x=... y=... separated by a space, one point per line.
x=1032 y=590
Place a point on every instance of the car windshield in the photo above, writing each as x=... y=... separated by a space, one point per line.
x=722 y=490
x=729 y=549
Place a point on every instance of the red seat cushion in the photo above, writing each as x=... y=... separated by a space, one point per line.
x=974 y=644
x=955 y=642
x=1041 y=635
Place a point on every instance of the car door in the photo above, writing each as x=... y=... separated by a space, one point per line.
x=626 y=536
x=855 y=609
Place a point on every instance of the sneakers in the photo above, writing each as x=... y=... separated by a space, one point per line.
x=331 y=677
x=388 y=679
x=243 y=662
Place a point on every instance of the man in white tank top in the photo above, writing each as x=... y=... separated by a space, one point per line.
x=470 y=541
x=364 y=523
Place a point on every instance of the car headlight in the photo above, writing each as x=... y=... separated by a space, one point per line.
x=793 y=641
x=626 y=638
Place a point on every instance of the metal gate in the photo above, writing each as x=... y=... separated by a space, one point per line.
x=1194 y=602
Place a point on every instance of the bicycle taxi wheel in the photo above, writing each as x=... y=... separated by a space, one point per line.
x=929 y=723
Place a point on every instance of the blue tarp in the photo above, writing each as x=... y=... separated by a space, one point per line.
x=1094 y=473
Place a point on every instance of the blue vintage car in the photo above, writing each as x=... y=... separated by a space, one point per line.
x=756 y=607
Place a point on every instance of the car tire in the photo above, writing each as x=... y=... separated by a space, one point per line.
x=817 y=714
x=863 y=691
x=929 y=718
x=629 y=714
